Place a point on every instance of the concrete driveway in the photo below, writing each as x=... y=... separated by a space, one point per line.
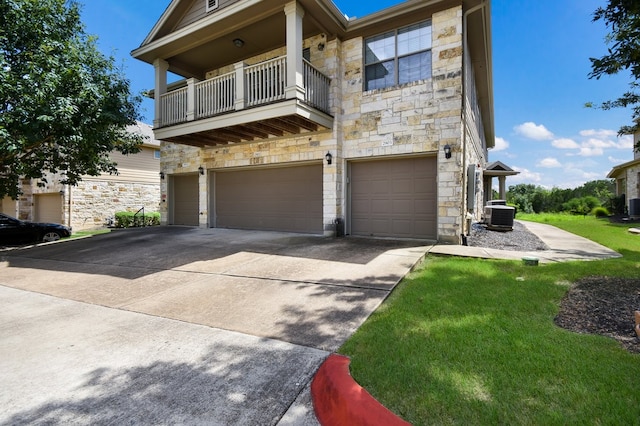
x=175 y=325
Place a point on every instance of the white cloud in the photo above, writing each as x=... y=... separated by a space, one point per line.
x=525 y=176
x=565 y=143
x=549 y=163
x=600 y=134
x=587 y=151
x=625 y=142
x=599 y=143
x=533 y=131
x=500 y=145
x=617 y=160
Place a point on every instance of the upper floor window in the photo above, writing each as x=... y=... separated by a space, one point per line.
x=211 y=4
x=398 y=57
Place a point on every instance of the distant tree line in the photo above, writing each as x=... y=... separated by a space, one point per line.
x=596 y=196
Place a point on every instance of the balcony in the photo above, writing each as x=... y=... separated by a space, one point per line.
x=249 y=103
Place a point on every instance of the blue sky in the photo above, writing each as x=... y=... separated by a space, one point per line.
x=541 y=51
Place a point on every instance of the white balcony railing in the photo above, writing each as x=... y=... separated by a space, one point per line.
x=248 y=86
x=265 y=82
x=215 y=96
x=174 y=107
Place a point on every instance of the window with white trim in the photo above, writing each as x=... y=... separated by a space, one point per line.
x=398 y=57
x=211 y=5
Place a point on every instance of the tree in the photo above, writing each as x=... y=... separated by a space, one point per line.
x=622 y=17
x=64 y=106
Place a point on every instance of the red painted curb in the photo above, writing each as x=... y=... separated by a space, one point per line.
x=339 y=400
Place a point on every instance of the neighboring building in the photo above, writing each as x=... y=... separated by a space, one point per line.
x=293 y=117
x=627 y=176
x=95 y=200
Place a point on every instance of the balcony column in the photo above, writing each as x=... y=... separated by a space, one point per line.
x=295 y=76
x=241 y=98
x=191 y=98
x=161 y=67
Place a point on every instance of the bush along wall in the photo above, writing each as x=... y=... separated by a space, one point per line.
x=131 y=219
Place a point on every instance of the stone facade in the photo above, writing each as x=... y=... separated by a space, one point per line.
x=414 y=119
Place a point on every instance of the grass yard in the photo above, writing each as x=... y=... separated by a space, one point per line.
x=472 y=341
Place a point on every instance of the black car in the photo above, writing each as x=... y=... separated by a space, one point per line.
x=15 y=231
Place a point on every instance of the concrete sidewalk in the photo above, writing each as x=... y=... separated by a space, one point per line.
x=563 y=246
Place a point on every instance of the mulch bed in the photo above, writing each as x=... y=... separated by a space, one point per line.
x=603 y=305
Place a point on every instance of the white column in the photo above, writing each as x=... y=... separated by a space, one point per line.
x=161 y=67
x=241 y=97
x=295 y=76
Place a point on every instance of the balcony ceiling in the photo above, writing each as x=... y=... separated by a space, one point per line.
x=290 y=125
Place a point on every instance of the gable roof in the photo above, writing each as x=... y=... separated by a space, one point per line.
x=145 y=130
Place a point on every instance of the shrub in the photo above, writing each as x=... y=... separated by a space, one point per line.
x=131 y=219
x=600 y=212
x=583 y=206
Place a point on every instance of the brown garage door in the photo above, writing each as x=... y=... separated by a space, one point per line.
x=277 y=199
x=48 y=208
x=185 y=200
x=394 y=198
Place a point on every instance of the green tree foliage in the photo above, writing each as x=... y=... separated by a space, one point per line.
x=64 y=106
x=535 y=199
x=583 y=205
x=622 y=18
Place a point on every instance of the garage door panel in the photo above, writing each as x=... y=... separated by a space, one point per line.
x=48 y=208
x=278 y=199
x=394 y=198
x=185 y=200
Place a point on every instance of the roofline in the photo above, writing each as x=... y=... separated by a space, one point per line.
x=620 y=167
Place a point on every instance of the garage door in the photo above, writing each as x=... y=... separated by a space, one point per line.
x=9 y=206
x=394 y=198
x=278 y=199
x=185 y=200
x=48 y=208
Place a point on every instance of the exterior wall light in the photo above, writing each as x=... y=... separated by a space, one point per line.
x=162 y=175
x=447 y=151
x=201 y=170
x=328 y=157
x=238 y=42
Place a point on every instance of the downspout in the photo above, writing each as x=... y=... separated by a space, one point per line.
x=465 y=47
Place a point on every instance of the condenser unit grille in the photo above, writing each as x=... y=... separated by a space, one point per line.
x=499 y=217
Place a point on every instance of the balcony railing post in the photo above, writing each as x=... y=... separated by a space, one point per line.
x=191 y=98
x=241 y=97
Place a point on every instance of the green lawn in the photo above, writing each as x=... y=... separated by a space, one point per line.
x=472 y=341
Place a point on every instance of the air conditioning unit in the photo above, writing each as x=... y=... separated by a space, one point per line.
x=499 y=218
x=497 y=202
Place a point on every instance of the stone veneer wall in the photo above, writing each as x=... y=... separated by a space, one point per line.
x=94 y=203
x=415 y=119
x=633 y=183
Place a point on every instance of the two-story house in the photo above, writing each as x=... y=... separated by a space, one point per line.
x=293 y=117
x=93 y=202
x=627 y=177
